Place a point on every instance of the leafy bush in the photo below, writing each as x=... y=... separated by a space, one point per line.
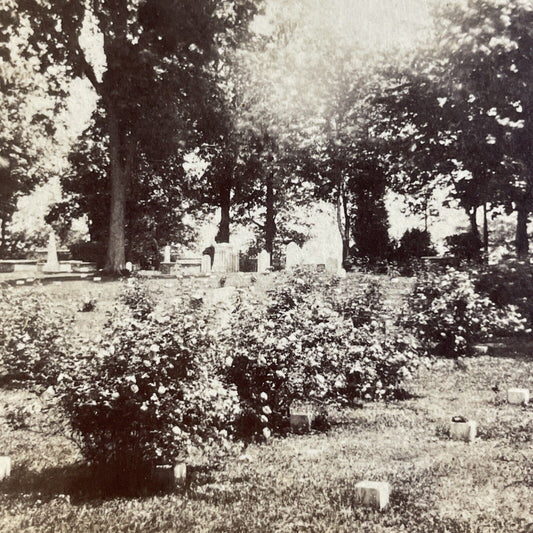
x=465 y=247
x=306 y=344
x=35 y=339
x=448 y=316
x=509 y=283
x=154 y=390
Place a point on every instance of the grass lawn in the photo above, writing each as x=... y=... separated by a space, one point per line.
x=305 y=483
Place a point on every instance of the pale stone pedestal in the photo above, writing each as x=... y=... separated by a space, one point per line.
x=463 y=430
x=518 y=396
x=373 y=494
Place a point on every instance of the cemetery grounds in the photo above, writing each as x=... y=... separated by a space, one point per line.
x=300 y=483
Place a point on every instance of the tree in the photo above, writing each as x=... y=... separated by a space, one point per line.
x=24 y=130
x=154 y=53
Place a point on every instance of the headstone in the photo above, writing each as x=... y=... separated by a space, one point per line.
x=373 y=494
x=518 y=396
x=313 y=253
x=263 y=262
x=301 y=422
x=168 y=476
x=129 y=266
x=293 y=255
x=166 y=254
x=20 y=282
x=462 y=429
x=97 y=278
x=332 y=265
x=5 y=467
x=226 y=258
x=206 y=264
x=52 y=263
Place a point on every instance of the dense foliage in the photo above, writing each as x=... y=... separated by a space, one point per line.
x=35 y=339
x=155 y=389
x=448 y=315
x=311 y=342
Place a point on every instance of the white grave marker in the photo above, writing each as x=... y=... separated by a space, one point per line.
x=5 y=467
x=518 y=396
x=293 y=255
x=263 y=262
x=462 y=429
x=373 y=493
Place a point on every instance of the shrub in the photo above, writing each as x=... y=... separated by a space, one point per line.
x=509 y=283
x=447 y=314
x=465 y=247
x=298 y=346
x=156 y=389
x=34 y=337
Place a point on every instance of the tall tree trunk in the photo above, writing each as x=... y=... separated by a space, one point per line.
x=224 y=204
x=343 y=223
x=521 y=242
x=270 y=223
x=120 y=169
x=3 y=231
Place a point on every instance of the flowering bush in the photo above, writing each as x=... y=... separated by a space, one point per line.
x=509 y=283
x=155 y=389
x=447 y=314
x=299 y=347
x=34 y=340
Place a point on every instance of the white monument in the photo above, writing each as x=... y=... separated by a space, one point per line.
x=293 y=255
x=52 y=262
x=166 y=255
x=263 y=262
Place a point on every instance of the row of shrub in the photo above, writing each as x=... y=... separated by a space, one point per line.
x=159 y=382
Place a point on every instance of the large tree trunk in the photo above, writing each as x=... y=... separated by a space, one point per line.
x=3 y=231
x=343 y=223
x=120 y=169
x=270 y=224
x=522 y=243
x=485 y=234
x=224 y=204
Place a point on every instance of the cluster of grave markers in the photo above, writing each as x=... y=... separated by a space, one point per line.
x=374 y=494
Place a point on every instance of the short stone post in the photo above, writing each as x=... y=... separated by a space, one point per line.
x=373 y=494
x=463 y=429
x=206 y=264
x=5 y=467
x=301 y=419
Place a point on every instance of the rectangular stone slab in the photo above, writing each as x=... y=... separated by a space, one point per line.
x=518 y=396
x=373 y=494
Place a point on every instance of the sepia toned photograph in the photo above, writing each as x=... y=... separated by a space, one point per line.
x=265 y=266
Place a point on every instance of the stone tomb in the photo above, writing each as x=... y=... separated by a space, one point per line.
x=5 y=467
x=373 y=494
x=463 y=429
x=518 y=396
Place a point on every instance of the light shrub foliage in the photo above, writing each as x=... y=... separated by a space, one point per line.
x=155 y=387
x=448 y=315
x=310 y=341
x=35 y=337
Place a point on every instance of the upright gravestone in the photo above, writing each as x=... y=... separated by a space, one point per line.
x=313 y=253
x=293 y=255
x=206 y=264
x=52 y=262
x=226 y=258
x=166 y=254
x=263 y=262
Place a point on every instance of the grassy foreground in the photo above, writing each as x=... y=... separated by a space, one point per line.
x=305 y=483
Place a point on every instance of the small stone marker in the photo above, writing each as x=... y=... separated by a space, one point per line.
x=180 y=473
x=20 y=282
x=480 y=349
x=166 y=254
x=373 y=493
x=518 y=396
x=463 y=429
x=129 y=266
x=206 y=264
x=5 y=467
x=97 y=278
x=301 y=419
